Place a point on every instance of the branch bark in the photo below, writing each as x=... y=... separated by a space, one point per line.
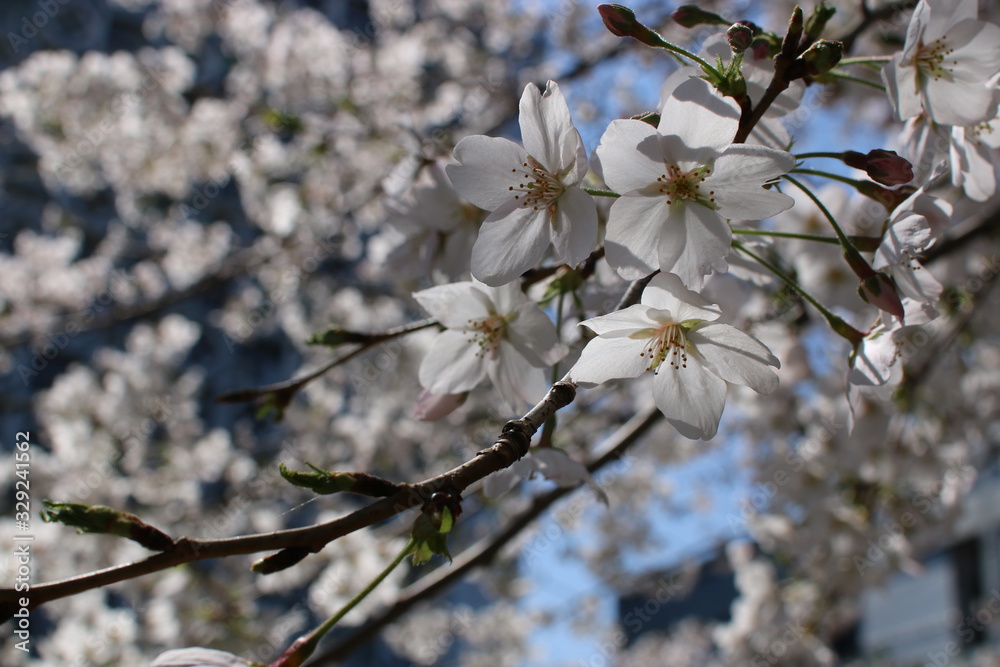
x=512 y=444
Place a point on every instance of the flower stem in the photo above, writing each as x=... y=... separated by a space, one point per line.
x=806 y=156
x=824 y=174
x=304 y=646
x=866 y=243
x=856 y=79
x=841 y=236
x=862 y=269
x=600 y=193
x=839 y=326
x=788 y=235
x=864 y=60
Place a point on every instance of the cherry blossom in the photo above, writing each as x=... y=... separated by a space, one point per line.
x=673 y=334
x=945 y=64
x=680 y=182
x=533 y=192
x=437 y=227
x=494 y=332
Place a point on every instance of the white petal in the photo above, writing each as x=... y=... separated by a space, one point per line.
x=916 y=282
x=736 y=357
x=453 y=364
x=574 y=233
x=509 y=246
x=608 y=359
x=533 y=335
x=453 y=305
x=871 y=362
x=197 y=657
x=557 y=466
x=633 y=235
x=738 y=177
x=504 y=480
x=547 y=129
x=700 y=116
x=516 y=379
x=505 y=299
x=900 y=81
x=666 y=292
x=707 y=243
x=622 y=323
x=486 y=170
x=622 y=165
x=691 y=398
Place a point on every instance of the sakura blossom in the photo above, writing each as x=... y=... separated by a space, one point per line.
x=943 y=69
x=533 y=192
x=680 y=182
x=673 y=333
x=494 y=332
x=214 y=219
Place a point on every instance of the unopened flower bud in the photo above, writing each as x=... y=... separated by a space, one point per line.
x=817 y=21
x=621 y=21
x=879 y=290
x=885 y=167
x=822 y=57
x=740 y=37
x=690 y=16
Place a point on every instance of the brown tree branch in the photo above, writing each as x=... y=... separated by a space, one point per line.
x=512 y=444
x=483 y=552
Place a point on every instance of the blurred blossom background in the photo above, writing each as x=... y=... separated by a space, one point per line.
x=191 y=189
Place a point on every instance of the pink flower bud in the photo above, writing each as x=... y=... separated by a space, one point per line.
x=618 y=19
x=621 y=21
x=740 y=37
x=885 y=167
x=880 y=291
x=690 y=16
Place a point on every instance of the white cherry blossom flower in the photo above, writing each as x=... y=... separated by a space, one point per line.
x=680 y=182
x=494 y=332
x=533 y=192
x=672 y=333
x=435 y=227
x=945 y=64
x=913 y=227
x=975 y=158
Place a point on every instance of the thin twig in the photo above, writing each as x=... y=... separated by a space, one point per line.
x=512 y=444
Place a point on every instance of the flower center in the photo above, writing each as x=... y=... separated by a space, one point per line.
x=487 y=333
x=931 y=59
x=668 y=343
x=678 y=185
x=975 y=133
x=538 y=188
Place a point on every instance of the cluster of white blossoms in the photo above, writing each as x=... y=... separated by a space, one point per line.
x=239 y=153
x=680 y=184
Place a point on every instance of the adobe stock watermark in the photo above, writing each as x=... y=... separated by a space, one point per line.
x=291 y=280
x=967 y=629
x=59 y=341
x=31 y=25
x=93 y=138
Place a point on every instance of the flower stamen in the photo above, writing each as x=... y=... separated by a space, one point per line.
x=678 y=185
x=487 y=333
x=667 y=342
x=540 y=189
